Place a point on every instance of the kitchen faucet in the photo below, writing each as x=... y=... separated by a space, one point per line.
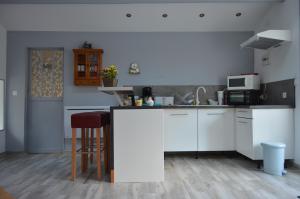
x=197 y=94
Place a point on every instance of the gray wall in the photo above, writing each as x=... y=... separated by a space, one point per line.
x=2 y=53
x=164 y=58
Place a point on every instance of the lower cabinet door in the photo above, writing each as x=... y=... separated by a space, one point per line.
x=216 y=130
x=244 y=137
x=180 y=130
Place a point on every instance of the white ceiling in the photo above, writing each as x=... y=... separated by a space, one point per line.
x=122 y=1
x=145 y=17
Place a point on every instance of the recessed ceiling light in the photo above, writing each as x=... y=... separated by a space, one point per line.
x=128 y=15
x=165 y=15
x=201 y=15
x=238 y=14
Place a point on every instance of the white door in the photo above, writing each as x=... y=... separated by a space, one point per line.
x=215 y=130
x=244 y=137
x=180 y=130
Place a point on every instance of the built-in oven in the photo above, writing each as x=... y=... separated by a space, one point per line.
x=243 y=97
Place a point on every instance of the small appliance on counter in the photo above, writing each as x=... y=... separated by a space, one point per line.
x=147 y=92
x=243 y=97
x=249 y=81
x=243 y=89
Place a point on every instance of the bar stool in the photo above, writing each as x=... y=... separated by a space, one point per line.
x=105 y=145
x=86 y=121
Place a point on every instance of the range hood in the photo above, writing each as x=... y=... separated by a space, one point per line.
x=267 y=39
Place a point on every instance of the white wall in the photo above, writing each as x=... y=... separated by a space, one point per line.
x=284 y=61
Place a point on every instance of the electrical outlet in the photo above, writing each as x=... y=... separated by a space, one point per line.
x=284 y=95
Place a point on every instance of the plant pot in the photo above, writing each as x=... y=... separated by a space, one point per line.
x=110 y=82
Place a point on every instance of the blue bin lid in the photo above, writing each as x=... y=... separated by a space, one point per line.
x=273 y=144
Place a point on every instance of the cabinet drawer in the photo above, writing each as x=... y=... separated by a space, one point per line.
x=244 y=113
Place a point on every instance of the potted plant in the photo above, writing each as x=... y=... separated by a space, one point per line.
x=109 y=75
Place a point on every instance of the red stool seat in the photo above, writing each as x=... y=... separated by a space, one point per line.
x=87 y=120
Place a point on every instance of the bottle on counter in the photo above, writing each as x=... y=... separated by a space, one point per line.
x=220 y=97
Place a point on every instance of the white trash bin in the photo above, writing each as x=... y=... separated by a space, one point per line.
x=273 y=154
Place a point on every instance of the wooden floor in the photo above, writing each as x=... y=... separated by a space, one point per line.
x=47 y=176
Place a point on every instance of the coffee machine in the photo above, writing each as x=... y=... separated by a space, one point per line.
x=147 y=92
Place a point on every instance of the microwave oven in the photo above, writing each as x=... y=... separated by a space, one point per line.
x=243 y=97
x=243 y=82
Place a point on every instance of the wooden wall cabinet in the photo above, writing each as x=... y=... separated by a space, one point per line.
x=87 y=67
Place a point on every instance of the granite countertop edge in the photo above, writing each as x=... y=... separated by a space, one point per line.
x=204 y=107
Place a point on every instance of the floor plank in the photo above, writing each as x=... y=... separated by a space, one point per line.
x=46 y=176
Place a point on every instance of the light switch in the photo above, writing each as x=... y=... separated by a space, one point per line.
x=15 y=93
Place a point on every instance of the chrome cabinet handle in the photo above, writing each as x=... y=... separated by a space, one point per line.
x=174 y=114
x=242 y=111
x=215 y=113
x=242 y=122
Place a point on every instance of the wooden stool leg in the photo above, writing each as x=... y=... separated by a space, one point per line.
x=92 y=146
x=87 y=146
x=105 y=147
x=98 y=153
x=108 y=147
x=83 y=150
x=73 y=154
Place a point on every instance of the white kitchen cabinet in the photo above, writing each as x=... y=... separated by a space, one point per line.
x=138 y=145
x=216 y=130
x=180 y=130
x=254 y=126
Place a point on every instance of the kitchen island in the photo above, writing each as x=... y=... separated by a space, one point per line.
x=141 y=135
